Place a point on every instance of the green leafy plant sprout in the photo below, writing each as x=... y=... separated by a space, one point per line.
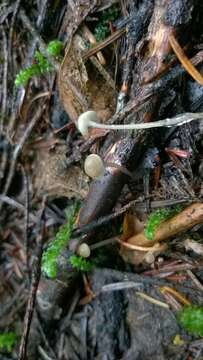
x=157 y=217
x=50 y=256
x=8 y=341
x=80 y=263
x=41 y=64
x=191 y=319
x=102 y=30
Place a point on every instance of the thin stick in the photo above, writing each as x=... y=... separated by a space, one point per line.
x=121 y=285
x=104 y=243
x=195 y=280
x=91 y=38
x=180 y=297
x=26 y=243
x=125 y=285
x=5 y=78
x=33 y=290
x=10 y=40
x=109 y=40
x=152 y=300
x=44 y=354
x=20 y=146
x=134 y=203
x=16 y=205
x=41 y=42
x=137 y=247
x=186 y=63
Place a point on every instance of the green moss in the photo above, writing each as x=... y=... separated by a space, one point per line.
x=8 y=341
x=41 y=65
x=42 y=62
x=102 y=30
x=26 y=74
x=80 y=263
x=50 y=256
x=55 y=48
x=191 y=319
x=157 y=217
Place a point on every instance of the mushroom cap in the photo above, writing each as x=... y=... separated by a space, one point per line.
x=85 y=120
x=94 y=166
x=84 y=250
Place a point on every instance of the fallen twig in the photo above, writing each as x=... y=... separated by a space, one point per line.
x=136 y=204
x=41 y=42
x=152 y=300
x=33 y=290
x=5 y=79
x=195 y=280
x=186 y=63
x=115 y=36
x=11 y=29
x=91 y=38
x=8 y=200
x=20 y=146
x=180 y=297
x=26 y=243
x=183 y=221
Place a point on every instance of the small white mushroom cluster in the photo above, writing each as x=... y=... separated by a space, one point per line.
x=89 y=119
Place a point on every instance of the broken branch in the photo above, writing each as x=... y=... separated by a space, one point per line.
x=183 y=221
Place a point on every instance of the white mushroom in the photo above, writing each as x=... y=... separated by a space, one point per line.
x=84 y=250
x=94 y=166
x=89 y=119
x=86 y=120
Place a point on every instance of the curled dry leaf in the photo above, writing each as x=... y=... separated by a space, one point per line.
x=83 y=85
x=131 y=226
x=131 y=254
x=52 y=178
x=136 y=254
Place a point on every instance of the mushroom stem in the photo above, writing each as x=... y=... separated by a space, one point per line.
x=168 y=122
x=89 y=120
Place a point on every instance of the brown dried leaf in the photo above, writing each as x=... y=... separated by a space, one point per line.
x=82 y=86
x=131 y=226
x=73 y=82
x=52 y=178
